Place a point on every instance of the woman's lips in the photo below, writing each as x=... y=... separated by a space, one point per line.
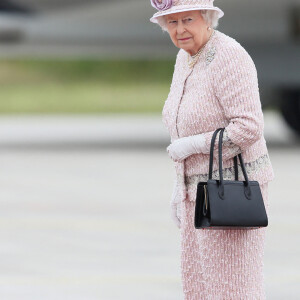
x=184 y=39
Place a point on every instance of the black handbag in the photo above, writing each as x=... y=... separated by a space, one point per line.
x=229 y=204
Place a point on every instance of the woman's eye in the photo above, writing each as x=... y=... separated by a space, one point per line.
x=172 y=21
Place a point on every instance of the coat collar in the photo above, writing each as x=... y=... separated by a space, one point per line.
x=208 y=53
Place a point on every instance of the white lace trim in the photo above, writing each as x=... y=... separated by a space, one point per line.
x=228 y=173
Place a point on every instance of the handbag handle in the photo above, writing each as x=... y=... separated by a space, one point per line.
x=212 y=145
x=221 y=186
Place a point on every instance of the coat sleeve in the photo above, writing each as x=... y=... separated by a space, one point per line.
x=236 y=88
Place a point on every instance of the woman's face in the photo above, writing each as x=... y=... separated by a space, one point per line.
x=187 y=30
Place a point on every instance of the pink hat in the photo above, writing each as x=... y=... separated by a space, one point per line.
x=166 y=7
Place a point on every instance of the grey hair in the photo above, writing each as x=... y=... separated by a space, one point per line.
x=211 y=17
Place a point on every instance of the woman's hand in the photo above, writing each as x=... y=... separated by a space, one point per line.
x=176 y=213
x=175 y=203
x=186 y=146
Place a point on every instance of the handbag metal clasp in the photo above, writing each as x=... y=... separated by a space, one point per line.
x=205 y=200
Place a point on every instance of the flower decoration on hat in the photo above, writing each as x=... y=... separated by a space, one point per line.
x=161 y=4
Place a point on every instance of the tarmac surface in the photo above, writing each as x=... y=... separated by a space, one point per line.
x=110 y=130
x=85 y=210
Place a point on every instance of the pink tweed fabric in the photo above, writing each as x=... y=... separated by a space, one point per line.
x=222 y=264
x=220 y=90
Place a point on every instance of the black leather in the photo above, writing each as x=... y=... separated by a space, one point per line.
x=230 y=204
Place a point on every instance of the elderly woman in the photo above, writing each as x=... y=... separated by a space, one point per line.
x=214 y=85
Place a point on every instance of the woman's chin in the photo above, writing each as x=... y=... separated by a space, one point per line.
x=187 y=49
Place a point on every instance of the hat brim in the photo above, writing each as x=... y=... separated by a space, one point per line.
x=181 y=8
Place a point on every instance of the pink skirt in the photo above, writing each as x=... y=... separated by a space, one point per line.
x=221 y=264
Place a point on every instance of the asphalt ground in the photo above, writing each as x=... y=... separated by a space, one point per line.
x=133 y=131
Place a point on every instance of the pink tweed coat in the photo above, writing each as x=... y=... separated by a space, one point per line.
x=220 y=90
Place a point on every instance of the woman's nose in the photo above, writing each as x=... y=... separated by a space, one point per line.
x=180 y=28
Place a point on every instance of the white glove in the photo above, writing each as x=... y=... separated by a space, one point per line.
x=177 y=197
x=186 y=146
x=176 y=213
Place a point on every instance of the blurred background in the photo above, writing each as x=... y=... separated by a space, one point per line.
x=85 y=180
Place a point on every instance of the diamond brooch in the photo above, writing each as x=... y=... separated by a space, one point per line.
x=210 y=54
